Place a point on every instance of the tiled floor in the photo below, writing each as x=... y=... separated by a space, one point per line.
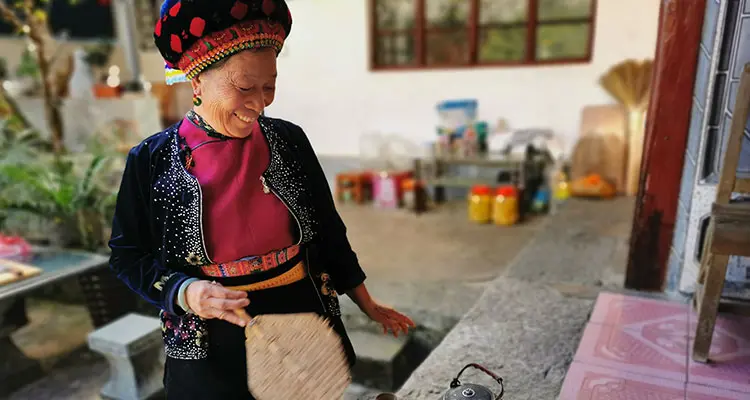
x=636 y=349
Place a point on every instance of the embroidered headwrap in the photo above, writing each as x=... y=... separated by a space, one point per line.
x=192 y=35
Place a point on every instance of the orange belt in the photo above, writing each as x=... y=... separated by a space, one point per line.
x=296 y=274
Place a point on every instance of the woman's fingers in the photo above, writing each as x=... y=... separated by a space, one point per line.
x=229 y=316
x=221 y=292
x=240 y=312
x=396 y=322
x=406 y=322
x=226 y=304
x=401 y=324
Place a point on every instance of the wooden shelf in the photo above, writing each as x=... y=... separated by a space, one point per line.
x=460 y=182
x=481 y=161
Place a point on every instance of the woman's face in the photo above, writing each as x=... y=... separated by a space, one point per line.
x=235 y=92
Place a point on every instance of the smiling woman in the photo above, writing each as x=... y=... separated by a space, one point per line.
x=228 y=213
x=234 y=94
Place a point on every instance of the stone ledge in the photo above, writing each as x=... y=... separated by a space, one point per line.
x=526 y=332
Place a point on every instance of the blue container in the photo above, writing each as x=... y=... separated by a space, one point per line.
x=455 y=115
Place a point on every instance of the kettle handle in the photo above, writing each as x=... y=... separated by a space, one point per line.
x=456 y=382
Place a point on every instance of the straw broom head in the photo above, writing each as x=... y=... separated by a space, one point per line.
x=629 y=82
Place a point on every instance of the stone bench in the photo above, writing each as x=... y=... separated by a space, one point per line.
x=133 y=348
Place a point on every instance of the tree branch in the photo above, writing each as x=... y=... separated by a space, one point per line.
x=10 y=16
x=28 y=9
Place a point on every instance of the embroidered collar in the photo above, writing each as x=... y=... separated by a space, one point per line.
x=201 y=123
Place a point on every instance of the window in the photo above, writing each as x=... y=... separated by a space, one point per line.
x=454 y=33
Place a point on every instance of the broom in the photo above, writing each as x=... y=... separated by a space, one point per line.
x=294 y=356
x=629 y=82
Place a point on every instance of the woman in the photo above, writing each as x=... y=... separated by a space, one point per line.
x=228 y=209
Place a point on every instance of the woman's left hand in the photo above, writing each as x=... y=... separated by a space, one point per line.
x=391 y=319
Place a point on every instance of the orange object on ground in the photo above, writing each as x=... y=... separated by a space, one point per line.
x=505 y=206
x=409 y=189
x=593 y=185
x=480 y=204
x=408 y=185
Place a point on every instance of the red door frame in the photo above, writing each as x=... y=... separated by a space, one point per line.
x=667 y=125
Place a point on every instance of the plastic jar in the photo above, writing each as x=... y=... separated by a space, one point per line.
x=480 y=204
x=562 y=187
x=505 y=206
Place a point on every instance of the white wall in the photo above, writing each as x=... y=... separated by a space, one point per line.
x=325 y=84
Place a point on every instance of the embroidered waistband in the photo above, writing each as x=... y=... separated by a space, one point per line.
x=251 y=265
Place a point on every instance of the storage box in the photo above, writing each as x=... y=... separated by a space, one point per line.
x=354 y=187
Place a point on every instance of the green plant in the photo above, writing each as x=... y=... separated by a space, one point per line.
x=63 y=192
x=28 y=67
x=19 y=145
x=71 y=197
x=98 y=54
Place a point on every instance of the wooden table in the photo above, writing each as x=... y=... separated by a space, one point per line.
x=519 y=168
x=16 y=369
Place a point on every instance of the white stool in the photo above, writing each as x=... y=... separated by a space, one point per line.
x=134 y=350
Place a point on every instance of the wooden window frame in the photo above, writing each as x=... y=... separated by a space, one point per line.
x=473 y=26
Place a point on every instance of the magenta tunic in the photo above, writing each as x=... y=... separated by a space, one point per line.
x=239 y=218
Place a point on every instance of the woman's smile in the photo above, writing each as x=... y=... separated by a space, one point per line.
x=244 y=119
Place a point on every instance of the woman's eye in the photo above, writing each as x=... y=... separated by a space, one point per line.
x=245 y=89
x=269 y=89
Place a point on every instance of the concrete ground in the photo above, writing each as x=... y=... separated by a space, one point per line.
x=432 y=266
x=441 y=246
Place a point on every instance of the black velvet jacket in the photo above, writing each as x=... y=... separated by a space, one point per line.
x=157 y=234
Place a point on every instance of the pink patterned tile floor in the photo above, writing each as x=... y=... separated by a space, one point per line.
x=589 y=382
x=637 y=348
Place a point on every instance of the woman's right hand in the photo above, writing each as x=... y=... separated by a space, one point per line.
x=211 y=300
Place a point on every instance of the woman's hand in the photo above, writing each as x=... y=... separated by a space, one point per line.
x=391 y=319
x=211 y=300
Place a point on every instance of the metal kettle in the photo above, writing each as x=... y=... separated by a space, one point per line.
x=473 y=391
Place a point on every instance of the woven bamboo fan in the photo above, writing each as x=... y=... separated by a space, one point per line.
x=292 y=356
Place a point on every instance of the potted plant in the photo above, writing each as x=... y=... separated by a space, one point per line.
x=97 y=56
x=66 y=195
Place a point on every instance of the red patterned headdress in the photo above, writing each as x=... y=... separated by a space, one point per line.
x=192 y=35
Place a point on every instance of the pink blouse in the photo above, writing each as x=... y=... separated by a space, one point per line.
x=239 y=219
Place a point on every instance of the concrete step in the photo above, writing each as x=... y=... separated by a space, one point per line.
x=382 y=361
